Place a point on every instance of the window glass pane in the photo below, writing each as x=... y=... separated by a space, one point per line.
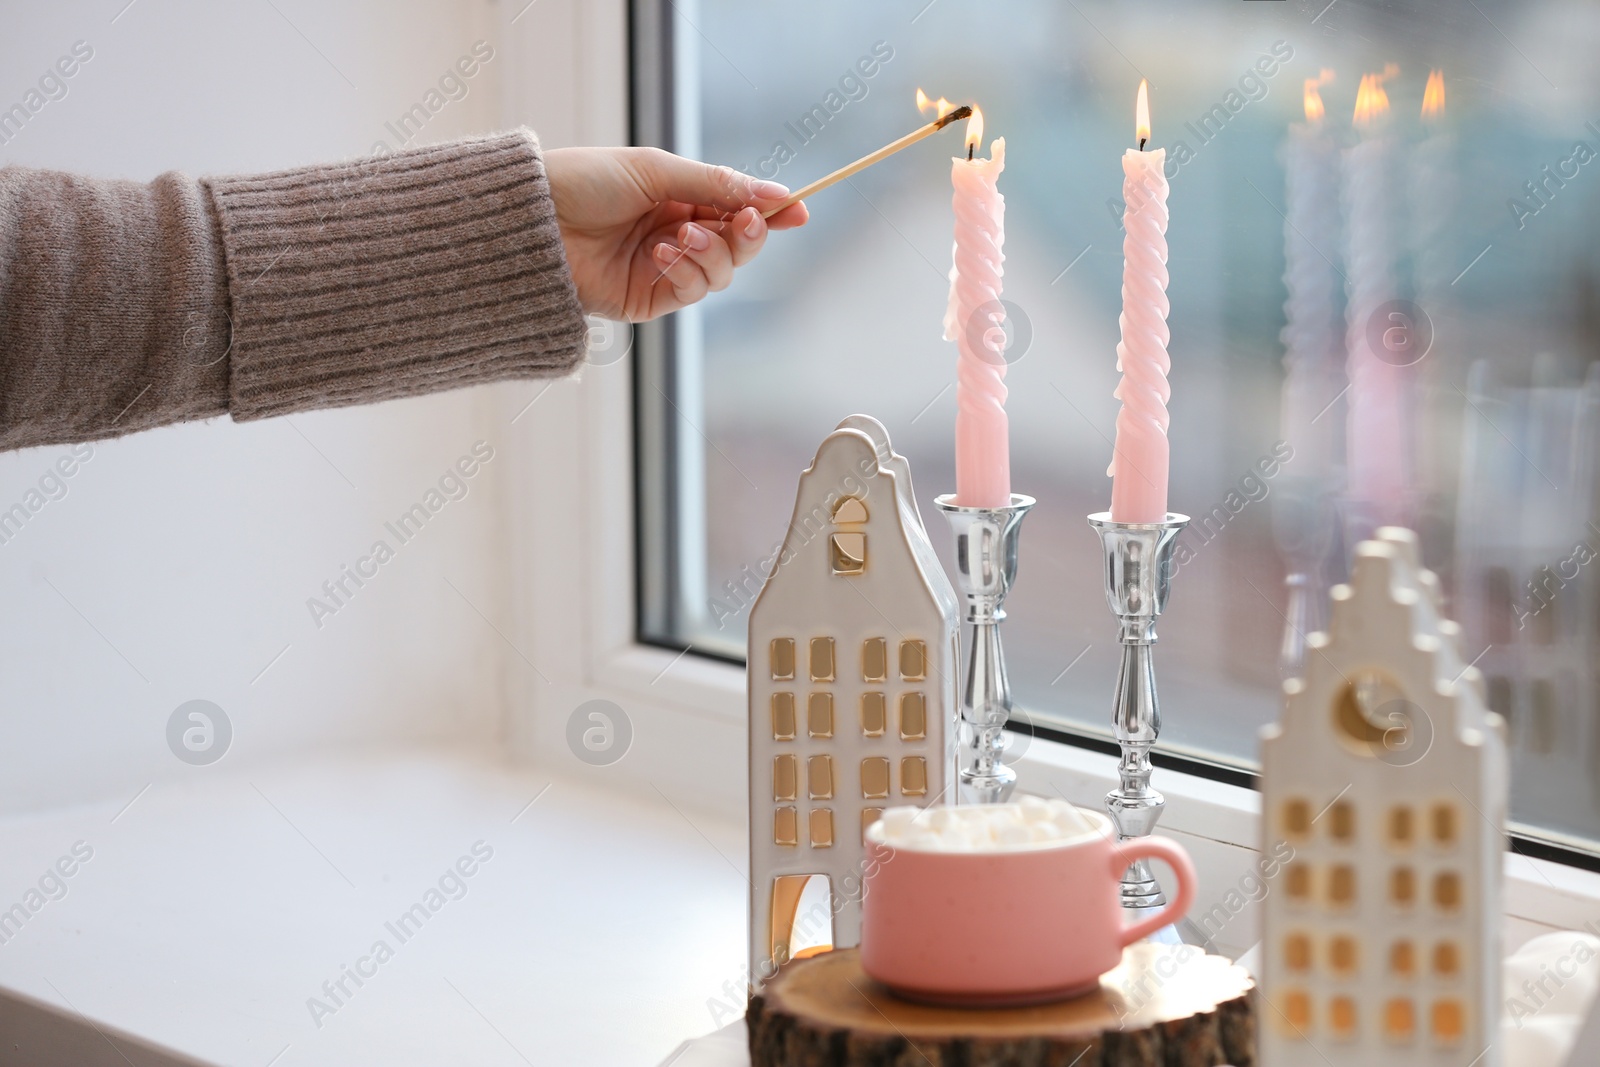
x=1465 y=243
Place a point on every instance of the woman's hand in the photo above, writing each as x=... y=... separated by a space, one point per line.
x=647 y=232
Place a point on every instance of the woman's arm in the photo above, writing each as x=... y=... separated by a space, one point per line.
x=430 y=269
x=647 y=232
x=113 y=306
x=125 y=306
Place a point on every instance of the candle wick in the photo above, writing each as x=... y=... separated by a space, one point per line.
x=1142 y=141
x=969 y=153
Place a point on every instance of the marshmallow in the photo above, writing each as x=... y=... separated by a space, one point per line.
x=1031 y=822
x=899 y=820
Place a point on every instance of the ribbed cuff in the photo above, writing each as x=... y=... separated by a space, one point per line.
x=429 y=269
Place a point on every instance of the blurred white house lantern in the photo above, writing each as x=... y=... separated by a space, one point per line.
x=1388 y=778
x=852 y=687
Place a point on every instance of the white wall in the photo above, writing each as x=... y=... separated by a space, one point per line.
x=179 y=563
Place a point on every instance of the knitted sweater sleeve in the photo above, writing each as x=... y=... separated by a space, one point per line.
x=125 y=306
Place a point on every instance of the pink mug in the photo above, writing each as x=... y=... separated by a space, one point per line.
x=1026 y=925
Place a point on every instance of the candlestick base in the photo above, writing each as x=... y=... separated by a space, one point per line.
x=986 y=565
x=1138 y=576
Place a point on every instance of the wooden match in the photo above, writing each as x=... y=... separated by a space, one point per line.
x=964 y=111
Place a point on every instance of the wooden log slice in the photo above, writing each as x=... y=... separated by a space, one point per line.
x=1164 y=1006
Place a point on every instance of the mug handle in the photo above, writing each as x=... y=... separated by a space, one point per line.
x=1123 y=855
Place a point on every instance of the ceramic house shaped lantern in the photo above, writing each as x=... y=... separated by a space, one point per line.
x=1387 y=779
x=852 y=684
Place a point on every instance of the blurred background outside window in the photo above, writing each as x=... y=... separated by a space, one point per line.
x=1451 y=225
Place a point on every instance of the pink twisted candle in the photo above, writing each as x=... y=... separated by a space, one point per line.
x=1140 y=461
x=974 y=319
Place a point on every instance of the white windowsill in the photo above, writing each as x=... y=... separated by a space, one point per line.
x=227 y=895
x=212 y=910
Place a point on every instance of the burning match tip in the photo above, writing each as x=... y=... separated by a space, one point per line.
x=962 y=112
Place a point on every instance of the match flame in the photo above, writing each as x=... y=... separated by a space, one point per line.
x=1372 y=103
x=975 y=130
x=1433 y=96
x=1141 y=114
x=1314 y=108
x=942 y=107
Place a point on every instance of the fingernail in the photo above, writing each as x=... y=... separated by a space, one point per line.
x=664 y=250
x=768 y=190
x=694 y=237
x=752 y=228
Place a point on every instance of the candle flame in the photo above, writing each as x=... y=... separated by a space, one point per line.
x=1141 y=114
x=1433 y=96
x=974 y=131
x=942 y=107
x=1372 y=102
x=1314 y=108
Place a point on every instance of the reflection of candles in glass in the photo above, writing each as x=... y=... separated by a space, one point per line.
x=1433 y=97
x=1378 y=445
x=1141 y=456
x=1432 y=166
x=1313 y=372
x=1311 y=336
x=975 y=320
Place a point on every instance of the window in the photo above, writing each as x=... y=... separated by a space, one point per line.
x=1485 y=250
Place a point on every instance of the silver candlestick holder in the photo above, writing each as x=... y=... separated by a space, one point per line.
x=986 y=565
x=1138 y=573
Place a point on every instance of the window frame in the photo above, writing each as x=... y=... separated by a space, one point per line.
x=1223 y=797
